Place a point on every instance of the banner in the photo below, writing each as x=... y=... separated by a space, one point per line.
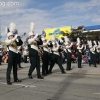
x=58 y=32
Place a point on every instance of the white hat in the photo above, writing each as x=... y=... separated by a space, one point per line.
x=53 y=43
x=61 y=40
x=31 y=33
x=9 y=34
x=78 y=41
x=66 y=38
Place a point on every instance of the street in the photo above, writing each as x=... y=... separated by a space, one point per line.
x=77 y=84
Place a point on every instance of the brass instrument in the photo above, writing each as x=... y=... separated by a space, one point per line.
x=35 y=43
x=46 y=46
x=13 y=44
x=40 y=53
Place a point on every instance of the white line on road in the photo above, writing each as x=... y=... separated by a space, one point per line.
x=96 y=93
x=23 y=85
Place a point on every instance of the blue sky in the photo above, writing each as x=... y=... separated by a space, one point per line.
x=49 y=13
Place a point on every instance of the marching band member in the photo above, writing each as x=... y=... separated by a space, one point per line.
x=25 y=53
x=92 y=54
x=97 y=52
x=55 y=58
x=12 y=54
x=19 y=48
x=79 y=48
x=69 y=53
x=33 y=53
x=45 y=57
x=1 y=53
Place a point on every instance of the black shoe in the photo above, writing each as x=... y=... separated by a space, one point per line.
x=95 y=66
x=50 y=72
x=79 y=67
x=47 y=73
x=44 y=74
x=63 y=72
x=9 y=83
x=20 y=67
x=30 y=76
x=90 y=65
x=17 y=80
x=67 y=69
x=40 y=77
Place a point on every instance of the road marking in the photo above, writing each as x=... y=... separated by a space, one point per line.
x=96 y=93
x=23 y=85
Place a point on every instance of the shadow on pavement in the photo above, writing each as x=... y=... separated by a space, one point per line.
x=65 y=84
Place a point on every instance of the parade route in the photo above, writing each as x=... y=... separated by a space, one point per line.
x=77 y=84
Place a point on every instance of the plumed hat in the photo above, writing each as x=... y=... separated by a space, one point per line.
x=66 y=40
x=11 y=29
x=78 y=41
x=9 y=34
x=30 y=33
x=53 y=43
x=89 y=43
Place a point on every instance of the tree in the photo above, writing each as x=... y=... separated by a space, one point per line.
x=78 y=33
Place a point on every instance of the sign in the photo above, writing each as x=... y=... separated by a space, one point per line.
x=58 y=32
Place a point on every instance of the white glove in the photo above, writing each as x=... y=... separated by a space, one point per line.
x=71 y=43
x=17 y=40
x=99 y=42
x=95 y=42
x=15 y=37
x=36 y=36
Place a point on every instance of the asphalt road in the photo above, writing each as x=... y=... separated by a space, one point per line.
x=77 y=84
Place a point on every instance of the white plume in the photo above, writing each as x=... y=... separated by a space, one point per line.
x=78 y=41
x=53 y=38
x=66 y=38
x=90 y=44
x=32 y=27
x=12 y=27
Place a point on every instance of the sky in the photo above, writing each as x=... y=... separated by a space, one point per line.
x=48 y=14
